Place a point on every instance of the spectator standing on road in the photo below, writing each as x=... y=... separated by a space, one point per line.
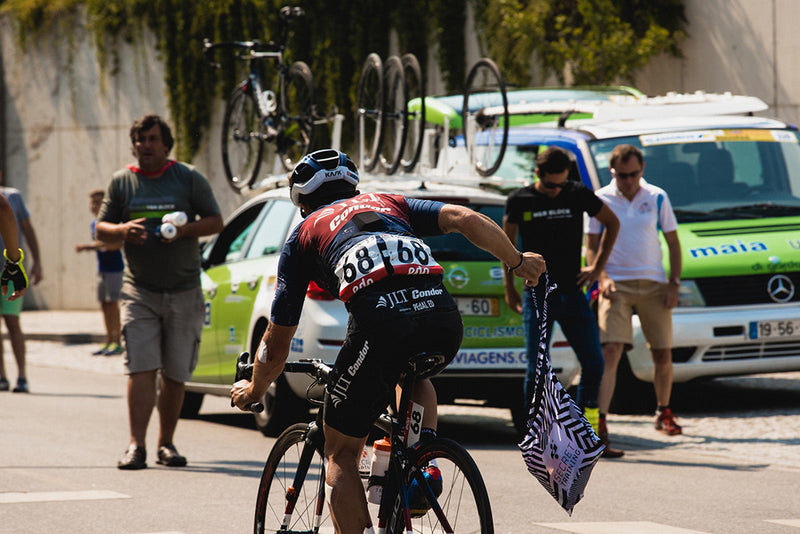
x=11 y=309
x=365 y=249
x=635 y=278
x=548 y=217
x=109 y=279
x=161 y=300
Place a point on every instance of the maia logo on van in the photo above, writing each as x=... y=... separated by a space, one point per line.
x=729 y=248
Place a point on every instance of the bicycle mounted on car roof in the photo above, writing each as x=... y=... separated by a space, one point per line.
x=254 y=115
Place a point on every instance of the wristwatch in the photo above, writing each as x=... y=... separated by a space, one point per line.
x=675 y=281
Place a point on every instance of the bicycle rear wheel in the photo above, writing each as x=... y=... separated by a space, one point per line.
x=487 y=145
x=463 y=499
x=297 y=133
x=283 y=462
x=369 y=111
x=242 y=147
x=415 y=87
x=395 y=115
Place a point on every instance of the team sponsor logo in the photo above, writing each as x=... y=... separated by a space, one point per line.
x=416 y=298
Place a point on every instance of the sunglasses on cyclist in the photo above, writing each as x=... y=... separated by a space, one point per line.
x=554 y=185
x=626 y=175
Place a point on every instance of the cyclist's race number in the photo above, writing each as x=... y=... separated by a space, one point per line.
x=380 y=255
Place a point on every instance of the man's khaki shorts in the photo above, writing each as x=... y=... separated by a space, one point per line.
x=161 y=330
x=646 y=297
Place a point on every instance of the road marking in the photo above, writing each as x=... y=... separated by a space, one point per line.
x=621 y=527
x=785 y=522
x=48 y=496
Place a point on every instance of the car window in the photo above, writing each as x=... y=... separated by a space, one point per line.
x=272 y=228
x=456 y=247
x=229 y=243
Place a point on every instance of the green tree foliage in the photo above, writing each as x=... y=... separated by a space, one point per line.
x=596 y=41
x=586 y=41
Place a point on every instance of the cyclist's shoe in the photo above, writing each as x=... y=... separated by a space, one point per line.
x=134 y=458
x=168 y=455
x=608 y=452
x=101 y=351
x=417 y=503
x=665 y=422
x=4 y=385
x=22 y=386
x=113 y=349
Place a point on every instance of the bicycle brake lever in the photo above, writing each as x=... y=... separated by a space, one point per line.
x=244 y=371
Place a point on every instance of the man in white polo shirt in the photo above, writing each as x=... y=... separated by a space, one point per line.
x=635 y=278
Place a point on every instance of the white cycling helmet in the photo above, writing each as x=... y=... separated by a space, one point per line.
x=320 y=167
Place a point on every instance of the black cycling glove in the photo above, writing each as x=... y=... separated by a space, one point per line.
x=15 y=272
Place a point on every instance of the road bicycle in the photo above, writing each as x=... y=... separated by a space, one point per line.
x=255 y=115
x=415 y=497
x=390 y=113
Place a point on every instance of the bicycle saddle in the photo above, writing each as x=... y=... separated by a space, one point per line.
x=427 y=364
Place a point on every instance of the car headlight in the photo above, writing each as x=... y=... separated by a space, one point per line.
x=689 y=295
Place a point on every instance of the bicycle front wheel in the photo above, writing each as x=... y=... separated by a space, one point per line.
x=395 y=115
x=242 y=147
x=461 y=494
x=310 y=512
x=297 y=133
x=369 y=112
x=487 y=143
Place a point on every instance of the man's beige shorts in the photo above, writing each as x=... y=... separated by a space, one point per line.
x=647 y=298
x=161 y=330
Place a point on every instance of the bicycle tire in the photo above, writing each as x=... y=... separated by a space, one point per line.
x=395 y=115
x=484 y=83
x=464 y=500
x=415 y=87
x=369 y=112
x=296 y=134
x=242 y=147
x=278 y=475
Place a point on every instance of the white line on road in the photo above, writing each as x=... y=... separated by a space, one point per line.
x=48 y=496
x=621 y=527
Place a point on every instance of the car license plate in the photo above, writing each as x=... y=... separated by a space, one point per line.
x=478 y=306
x=775 y=329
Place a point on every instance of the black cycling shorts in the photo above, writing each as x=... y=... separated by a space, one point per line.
x=390 y=322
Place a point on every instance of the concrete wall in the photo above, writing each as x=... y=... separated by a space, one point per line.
x=67 y=120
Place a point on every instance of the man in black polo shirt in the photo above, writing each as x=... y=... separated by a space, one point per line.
x=548 y=216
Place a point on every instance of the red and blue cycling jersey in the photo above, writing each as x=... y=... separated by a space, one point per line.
x=351 y=244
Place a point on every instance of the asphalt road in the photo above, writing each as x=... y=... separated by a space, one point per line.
x=734 y=470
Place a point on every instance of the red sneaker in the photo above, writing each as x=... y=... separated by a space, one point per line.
x=665 y=422
x=602 y=433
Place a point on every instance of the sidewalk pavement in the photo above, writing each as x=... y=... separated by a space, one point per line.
x=68 y=326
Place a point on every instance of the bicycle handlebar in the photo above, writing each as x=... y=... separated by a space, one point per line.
x=244 y=371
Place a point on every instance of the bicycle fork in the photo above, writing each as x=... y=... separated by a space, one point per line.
x=309 y=448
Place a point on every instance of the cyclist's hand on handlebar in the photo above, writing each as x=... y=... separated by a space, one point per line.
x=243 y=397
x=533 y=266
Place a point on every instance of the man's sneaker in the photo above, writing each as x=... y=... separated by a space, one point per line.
x=101 y=351
x=22 y=386
x=608 y=452
x=113 y=349
x=665 y=422
x=168 y=456
x=417 y=503
x=134 y=458
x=4 y=385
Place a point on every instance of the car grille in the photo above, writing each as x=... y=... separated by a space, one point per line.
x=752 y=351
x=735 y=290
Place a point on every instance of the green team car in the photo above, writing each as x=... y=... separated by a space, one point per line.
x=734 y=182
x=240 y=266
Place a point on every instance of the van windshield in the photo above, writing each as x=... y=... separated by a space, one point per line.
x=718 y=174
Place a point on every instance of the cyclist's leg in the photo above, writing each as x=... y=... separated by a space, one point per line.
x=347 y=502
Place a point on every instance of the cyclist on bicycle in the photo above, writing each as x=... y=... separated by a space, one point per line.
x=364 y=248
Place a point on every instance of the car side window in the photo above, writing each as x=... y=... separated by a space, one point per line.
x=271 y=232
x=230 y=242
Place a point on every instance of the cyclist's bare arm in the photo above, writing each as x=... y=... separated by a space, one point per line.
x=483 y=232
x=269 y=361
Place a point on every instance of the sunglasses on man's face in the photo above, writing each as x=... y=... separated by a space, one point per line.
x=626 y=175
x=554 y=185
